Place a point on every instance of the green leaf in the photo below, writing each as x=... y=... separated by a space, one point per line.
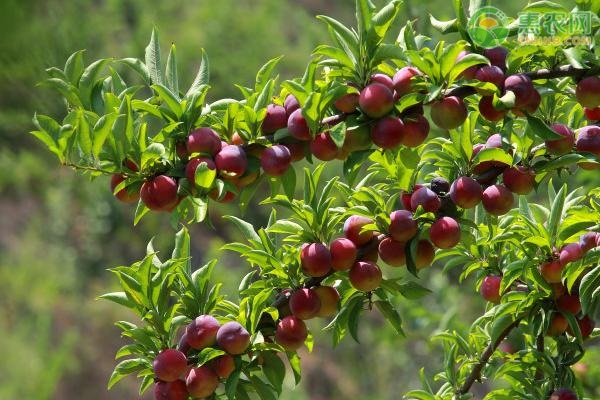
x=152 y=153
x=125 y=368
x=493 y=154
x=506 y=102
x=169 y=98
x=152 y=57
x=74 y=67
x=67 y=90
x=390 y=314
x=84 y=134
x=202 y=77
x=171 y=73
x=556 y=212
x=412 y=290
x=289 y=182
x=265 y=73
x=384 y=18
x=139 y=67
x=88 y=80
x=296 y=365
x=204 y=177
x=274 y=370
x=467 y=61
x=344 y=36
x=338 y=134
x=364 y=9
x=541 y=129
x=101 y=130
x=444 y=27
x=245 y=228
x=119 y=298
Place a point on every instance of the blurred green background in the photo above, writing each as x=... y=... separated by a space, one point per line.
x=59 y=231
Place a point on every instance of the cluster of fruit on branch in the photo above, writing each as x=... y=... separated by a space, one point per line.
x=424 y=199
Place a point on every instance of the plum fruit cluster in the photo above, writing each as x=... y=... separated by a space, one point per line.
x=176 y=373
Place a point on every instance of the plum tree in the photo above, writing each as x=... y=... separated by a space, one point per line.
x=297 y=126
x=425 y=198
x=392 y=252
x=231 y=161
x=402 y=225
x=233 y=338
x=203 y=140
x=497 y=56
x=564 y=145
x=125 y=195
x=497 y=200
x=343 y=254
x=388 y=132
x=488 y=111
x=522 y=86
x=202 y=332
x=365 y=276
x=415 y=130
x=491 y=74
x=169 y=365
x=563 y=394
x=569 y=303
x=175 y=390
x=223 y=366
x=291 y=333
x=558 y=325
x=490 y=288
x=323 y=147
x=347 y=103
x=588 y=92
x=315 y=259
x=201 y=382
x=376 y=100
x=449 y=113
x=466 y=192
x=402 y=195
x=519 y=179
x=403 y=80
x=445 y=233
x=353 y=230
x=305 y=303
x=551 y=271
x=275 y=160
x=275 y=119
x=329 y=299
x=160 y=193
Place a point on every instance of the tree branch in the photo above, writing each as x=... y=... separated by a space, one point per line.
x=539 y=346
x=559 y=72
x=485 y=357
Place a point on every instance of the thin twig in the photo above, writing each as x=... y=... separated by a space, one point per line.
x=485 y=357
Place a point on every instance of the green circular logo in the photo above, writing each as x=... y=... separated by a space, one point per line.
x=488 y=27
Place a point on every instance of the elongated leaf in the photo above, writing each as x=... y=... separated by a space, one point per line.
x=245 y=228
x=556 y=212
x=74 y=67
x=265 y=73
x=152 y=57
x=171 y=73
x=541 y=129
x=202 y=78
x=89 y=78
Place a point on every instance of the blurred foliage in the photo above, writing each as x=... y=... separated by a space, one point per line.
x=58 y=232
